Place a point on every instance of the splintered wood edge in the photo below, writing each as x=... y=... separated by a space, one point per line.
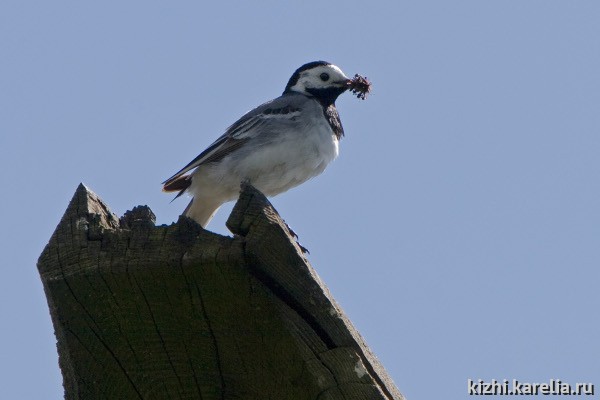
x=255 y=220
x=280 y=264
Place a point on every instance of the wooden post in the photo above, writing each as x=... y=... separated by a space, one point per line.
x=177 y=312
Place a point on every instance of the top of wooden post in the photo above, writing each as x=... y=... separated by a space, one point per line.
x=153 y=312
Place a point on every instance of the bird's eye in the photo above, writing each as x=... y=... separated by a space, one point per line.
x=324 y=76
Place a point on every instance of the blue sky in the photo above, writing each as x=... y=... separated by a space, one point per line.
x=459 y=228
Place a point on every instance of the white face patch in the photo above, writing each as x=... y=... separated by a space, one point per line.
x=313 y=78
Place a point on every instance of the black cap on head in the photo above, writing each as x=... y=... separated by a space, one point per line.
x=294 y=79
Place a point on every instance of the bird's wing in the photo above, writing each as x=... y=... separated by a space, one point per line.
x=264 y=118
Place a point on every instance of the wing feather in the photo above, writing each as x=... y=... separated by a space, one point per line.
x=252 y=124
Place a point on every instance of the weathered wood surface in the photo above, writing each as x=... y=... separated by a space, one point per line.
x=177 y=312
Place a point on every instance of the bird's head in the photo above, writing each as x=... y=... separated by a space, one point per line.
x=319 y=79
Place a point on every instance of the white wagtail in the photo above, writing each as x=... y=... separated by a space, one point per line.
x=275 y=147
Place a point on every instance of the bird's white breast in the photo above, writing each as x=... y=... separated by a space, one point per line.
x=291 y=158
x=295 y=158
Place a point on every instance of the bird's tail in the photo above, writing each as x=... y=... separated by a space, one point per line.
x=202 y=210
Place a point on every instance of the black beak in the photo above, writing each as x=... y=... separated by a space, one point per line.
x=344 y=83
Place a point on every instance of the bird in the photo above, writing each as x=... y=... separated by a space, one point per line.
x=274 y=147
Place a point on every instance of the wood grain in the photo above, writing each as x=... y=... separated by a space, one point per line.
x=177 y=312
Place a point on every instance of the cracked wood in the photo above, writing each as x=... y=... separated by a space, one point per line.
x=176 y=312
